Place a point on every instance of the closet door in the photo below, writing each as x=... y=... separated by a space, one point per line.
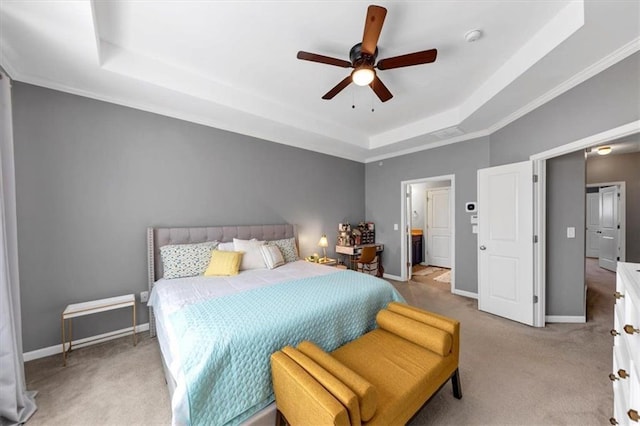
x=608 y=241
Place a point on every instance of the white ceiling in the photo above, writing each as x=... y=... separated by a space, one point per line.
x=233 y=65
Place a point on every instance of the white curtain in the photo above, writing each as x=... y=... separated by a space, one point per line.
x=16 y=403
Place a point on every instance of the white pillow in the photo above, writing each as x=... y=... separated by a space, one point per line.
x=226 y=246
x=252 y=258
x=272 y=256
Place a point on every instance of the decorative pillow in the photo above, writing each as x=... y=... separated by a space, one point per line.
x=226 y=246
x=223 y=263
x=186 y=260
x=252 y=258
x=272 y=256
x=288 y=248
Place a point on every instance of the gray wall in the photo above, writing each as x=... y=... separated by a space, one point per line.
x=565 y=256
x=605 y=101
x=617 y=168
x=384 y=198
x=91 y=176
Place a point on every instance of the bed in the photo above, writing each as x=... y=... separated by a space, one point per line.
x=216 y=333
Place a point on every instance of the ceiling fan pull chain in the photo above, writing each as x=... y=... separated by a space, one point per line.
x=353 y=99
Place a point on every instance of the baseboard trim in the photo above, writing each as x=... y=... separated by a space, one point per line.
x=578 y=319
x=392 y=277
x=465 y=293
x=87 y=341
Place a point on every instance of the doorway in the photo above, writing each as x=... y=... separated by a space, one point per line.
x=606 y=224
x=540 y=205
x=428 y=225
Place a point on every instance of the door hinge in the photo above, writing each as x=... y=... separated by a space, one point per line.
x=535 y=178
x=618 y=258
x=535 y=299
x=535 y=238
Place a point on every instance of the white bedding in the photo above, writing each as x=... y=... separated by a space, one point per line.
x=169 y=296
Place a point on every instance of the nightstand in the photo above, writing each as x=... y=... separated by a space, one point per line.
x=93 y=307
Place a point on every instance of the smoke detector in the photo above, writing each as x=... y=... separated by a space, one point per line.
x=473 y=35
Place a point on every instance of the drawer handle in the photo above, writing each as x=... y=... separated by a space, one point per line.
x=618 y=295
x=613 y=421
x=630 y=330
x=614 y=332
x=623 y=375
x=633 y=415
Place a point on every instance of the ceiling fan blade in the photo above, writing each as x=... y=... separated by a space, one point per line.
x=338 y=88
x=372 y=28
x=380 y=89
x=306 y=56
x=417 y=58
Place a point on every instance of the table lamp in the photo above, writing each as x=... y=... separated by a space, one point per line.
x=324 y=244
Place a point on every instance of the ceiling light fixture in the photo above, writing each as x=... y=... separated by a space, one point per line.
x=604 y=150
x=363 y=75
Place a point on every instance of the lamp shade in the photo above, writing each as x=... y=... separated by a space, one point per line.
x=323 y=242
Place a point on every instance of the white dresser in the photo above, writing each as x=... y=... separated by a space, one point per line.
x=626 y=346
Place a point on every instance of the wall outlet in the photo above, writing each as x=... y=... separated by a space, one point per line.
x=395 y=226
x=144 y=296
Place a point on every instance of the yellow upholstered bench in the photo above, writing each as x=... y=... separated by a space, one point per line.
x=381 y=378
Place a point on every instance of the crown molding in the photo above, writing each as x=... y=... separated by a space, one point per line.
x=582 y=76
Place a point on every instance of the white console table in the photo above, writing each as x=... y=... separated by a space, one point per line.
x=93 y=307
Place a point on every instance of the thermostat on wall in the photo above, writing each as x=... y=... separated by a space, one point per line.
x=471 y=207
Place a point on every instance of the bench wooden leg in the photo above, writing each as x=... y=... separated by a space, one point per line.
x=280 y=421
x=455 y=381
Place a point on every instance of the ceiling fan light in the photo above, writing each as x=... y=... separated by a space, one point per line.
x=363 y=76
x=604 y=150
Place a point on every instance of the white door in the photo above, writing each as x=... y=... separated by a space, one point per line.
x=505 y=241
x=407 y=230
x=439 y=228
x=593 y=224
x=608 y=256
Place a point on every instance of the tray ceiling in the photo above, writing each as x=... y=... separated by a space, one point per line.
x=233 y=65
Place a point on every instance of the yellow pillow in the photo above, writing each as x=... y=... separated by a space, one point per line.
x=224 y=263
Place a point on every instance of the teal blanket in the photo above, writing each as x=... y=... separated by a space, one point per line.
x=226 y=342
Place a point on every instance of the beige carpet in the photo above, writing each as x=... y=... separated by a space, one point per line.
x=511 y=374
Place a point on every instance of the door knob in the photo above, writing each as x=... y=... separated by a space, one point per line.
x=483 y=248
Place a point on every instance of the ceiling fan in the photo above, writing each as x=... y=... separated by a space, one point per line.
x=363 y=58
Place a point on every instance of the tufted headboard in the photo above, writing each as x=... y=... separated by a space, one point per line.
x=158 y=237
